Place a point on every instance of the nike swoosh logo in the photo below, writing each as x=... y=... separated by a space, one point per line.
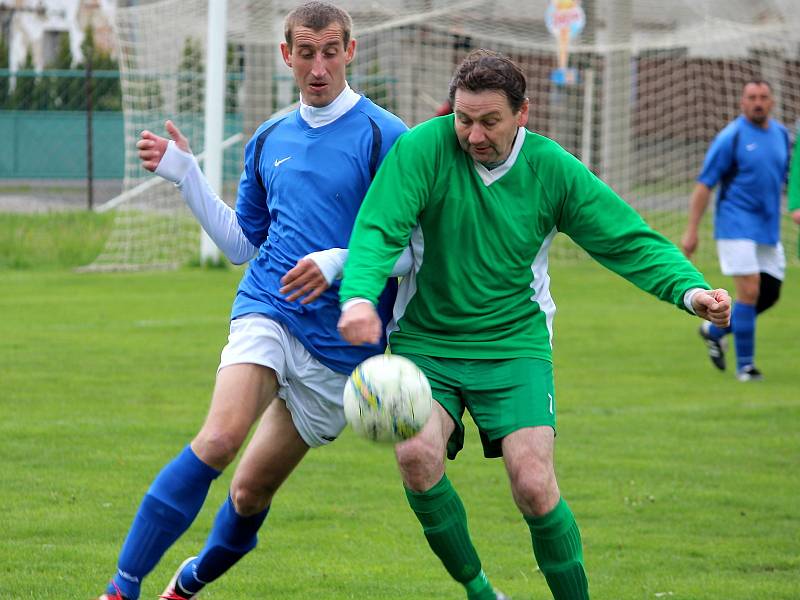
x=751 y=147
x=278 y=162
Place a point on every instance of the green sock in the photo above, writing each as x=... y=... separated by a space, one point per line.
x=444 y=522
x=559 y=553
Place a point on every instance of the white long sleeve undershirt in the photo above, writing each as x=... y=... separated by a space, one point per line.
x=215 y=217
x=220 y=222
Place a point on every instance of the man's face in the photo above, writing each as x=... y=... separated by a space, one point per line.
x=756 y=102
x=318 y=60
x=485 y=124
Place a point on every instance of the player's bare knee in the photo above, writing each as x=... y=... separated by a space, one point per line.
x=747 y=288
x=248 y=500
x=535 y=491
x=749 y=296
x=217 y=447
x=421 y=463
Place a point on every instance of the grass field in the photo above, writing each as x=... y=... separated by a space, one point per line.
x=52 y=240
x=685 y=482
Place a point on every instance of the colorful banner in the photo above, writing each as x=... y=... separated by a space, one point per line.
x=565 y=20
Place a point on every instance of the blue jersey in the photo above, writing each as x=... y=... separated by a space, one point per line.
x=299 y=193
x=750 y=163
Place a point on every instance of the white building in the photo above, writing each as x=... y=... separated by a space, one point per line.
x=38 y=25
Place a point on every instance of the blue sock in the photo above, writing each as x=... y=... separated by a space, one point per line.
x=717 y=333
x=167 y=510
x=743 y=322
x=230 y=539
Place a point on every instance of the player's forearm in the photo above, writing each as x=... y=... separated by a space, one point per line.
x=655 y=265
x=617 y=237
x=376 y=249
x=215 y=217
x=697 y=205
x=331 y=263
x=369 y=263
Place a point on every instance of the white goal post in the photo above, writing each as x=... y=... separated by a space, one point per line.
x=652 y=87
x=214 y=112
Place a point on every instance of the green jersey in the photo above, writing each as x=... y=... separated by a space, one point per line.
x=479 y=287
x=793 y=189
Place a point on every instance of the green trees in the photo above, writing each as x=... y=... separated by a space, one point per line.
x=4 y=78
x=25 y=90
x=106 y=93
x=191 y=73
x=61 y=85
x=59 y=91
x=191 y=78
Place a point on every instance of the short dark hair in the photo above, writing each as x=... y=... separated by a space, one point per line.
x=317 y=16
x=757 y=81
x=485 y=70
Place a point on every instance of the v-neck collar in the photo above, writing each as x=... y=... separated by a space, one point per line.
x=490 y=176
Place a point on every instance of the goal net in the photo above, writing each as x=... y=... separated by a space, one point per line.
x=637 y=90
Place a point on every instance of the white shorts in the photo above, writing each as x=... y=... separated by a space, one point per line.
x=312 y=391
x=746 y=257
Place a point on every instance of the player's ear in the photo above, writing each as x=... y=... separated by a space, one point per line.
x=286 y=52
x=350 y=52
x=522 y=117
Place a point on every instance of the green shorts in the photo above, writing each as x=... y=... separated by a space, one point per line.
x=501 y=395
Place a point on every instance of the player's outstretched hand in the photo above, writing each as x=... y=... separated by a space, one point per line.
x=305 y=280
x=360 y=324
x=796 y=216
x=152 y=147
x=713 y=305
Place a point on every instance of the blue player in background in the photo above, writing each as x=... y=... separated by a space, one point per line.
x=749 y=160
x=304 y=178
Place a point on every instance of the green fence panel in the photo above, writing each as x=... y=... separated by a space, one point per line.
x=8 y=158
x=52 y=144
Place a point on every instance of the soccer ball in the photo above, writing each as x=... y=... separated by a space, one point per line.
x=387 y=399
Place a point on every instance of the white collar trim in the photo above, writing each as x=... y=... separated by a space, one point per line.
x=490 y=176
x=317 y=117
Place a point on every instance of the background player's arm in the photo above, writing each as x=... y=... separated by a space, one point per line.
x=719 y=162
x=697 y=208
x=173 y=160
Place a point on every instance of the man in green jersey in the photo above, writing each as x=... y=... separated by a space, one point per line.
x=793 y=189
x=479 y=199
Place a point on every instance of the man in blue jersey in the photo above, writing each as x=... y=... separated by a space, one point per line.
x=304 y=178
x=749 y=159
